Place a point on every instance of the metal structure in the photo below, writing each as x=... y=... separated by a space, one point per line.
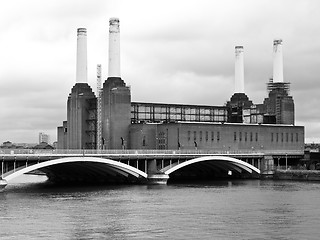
x=99 y=106
x=91 y=123
x=279 y=86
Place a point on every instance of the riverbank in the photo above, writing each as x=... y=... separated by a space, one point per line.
x=305 y=175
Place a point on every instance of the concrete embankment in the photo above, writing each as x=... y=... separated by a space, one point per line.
x=305 y=175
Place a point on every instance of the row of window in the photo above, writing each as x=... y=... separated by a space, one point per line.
x=196 y=110
x=178 y=117
x=246 y=136
x=206 y=136
x=284 y=137
x=242 y=136
x=153 y=113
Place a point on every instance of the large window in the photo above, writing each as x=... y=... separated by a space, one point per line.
x=155 y=112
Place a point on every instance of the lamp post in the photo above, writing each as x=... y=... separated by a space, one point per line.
x=122 y=143
x=286 y=161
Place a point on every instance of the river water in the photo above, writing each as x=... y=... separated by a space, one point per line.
x=239 y=209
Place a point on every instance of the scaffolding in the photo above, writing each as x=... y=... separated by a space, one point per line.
x=280 y=86
x=91 y=124
x=99 y=105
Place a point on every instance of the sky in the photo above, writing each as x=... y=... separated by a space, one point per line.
x=172 y=51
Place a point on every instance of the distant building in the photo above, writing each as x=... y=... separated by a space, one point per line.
x=8 y=144
x=43 y=145
x=312 y=147
x=54 y=145
x=43 y=137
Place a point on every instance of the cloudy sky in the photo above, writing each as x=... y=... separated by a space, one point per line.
x=172 y=51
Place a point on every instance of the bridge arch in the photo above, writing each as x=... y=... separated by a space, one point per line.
x=223 y=162
x=91 y=166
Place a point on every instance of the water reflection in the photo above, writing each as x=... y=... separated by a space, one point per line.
x=250 y=209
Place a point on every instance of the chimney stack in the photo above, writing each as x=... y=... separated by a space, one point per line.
x=114 y=48
x=277 y=61
x=239 y=70
x=82 y=75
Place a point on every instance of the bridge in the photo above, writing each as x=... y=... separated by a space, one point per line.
x=134 y=166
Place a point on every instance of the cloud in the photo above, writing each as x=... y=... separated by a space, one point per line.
x=171 y=51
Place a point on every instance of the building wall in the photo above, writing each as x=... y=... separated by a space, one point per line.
x=62 y=136
x=143 y=136
x=238 y=102
x=217 y=136
x=120 y=117
x=65 y=134
x=287 y=111
x=279 y=104
x=78 y=108
x=60 y=141
x=116 y=107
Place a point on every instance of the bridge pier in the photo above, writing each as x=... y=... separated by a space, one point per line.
x=154 y=175
x=267 y=167
x=157 y=178
x=3 y=184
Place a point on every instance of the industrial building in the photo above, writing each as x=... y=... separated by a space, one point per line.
x=111 y=120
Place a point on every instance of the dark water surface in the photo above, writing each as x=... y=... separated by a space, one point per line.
x=249 y=209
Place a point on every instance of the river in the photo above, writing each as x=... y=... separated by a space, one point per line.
x=239 y=209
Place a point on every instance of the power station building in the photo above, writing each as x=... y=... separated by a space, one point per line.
x=111 y=120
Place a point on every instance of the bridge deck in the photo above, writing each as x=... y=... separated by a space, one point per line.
x=87 y=164
x=63 y=152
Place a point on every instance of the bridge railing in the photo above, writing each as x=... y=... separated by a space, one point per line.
x=145 y=152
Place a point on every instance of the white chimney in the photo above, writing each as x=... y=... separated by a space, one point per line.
x=239 y=70
x=277 y=61
x=114 y=48
x=82 y=56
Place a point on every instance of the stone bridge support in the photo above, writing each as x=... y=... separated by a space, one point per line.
x=267 y=166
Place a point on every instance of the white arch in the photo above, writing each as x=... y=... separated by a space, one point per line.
x=118 y=165
x=246 y=166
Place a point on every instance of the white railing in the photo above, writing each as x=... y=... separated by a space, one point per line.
x=145 y=152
